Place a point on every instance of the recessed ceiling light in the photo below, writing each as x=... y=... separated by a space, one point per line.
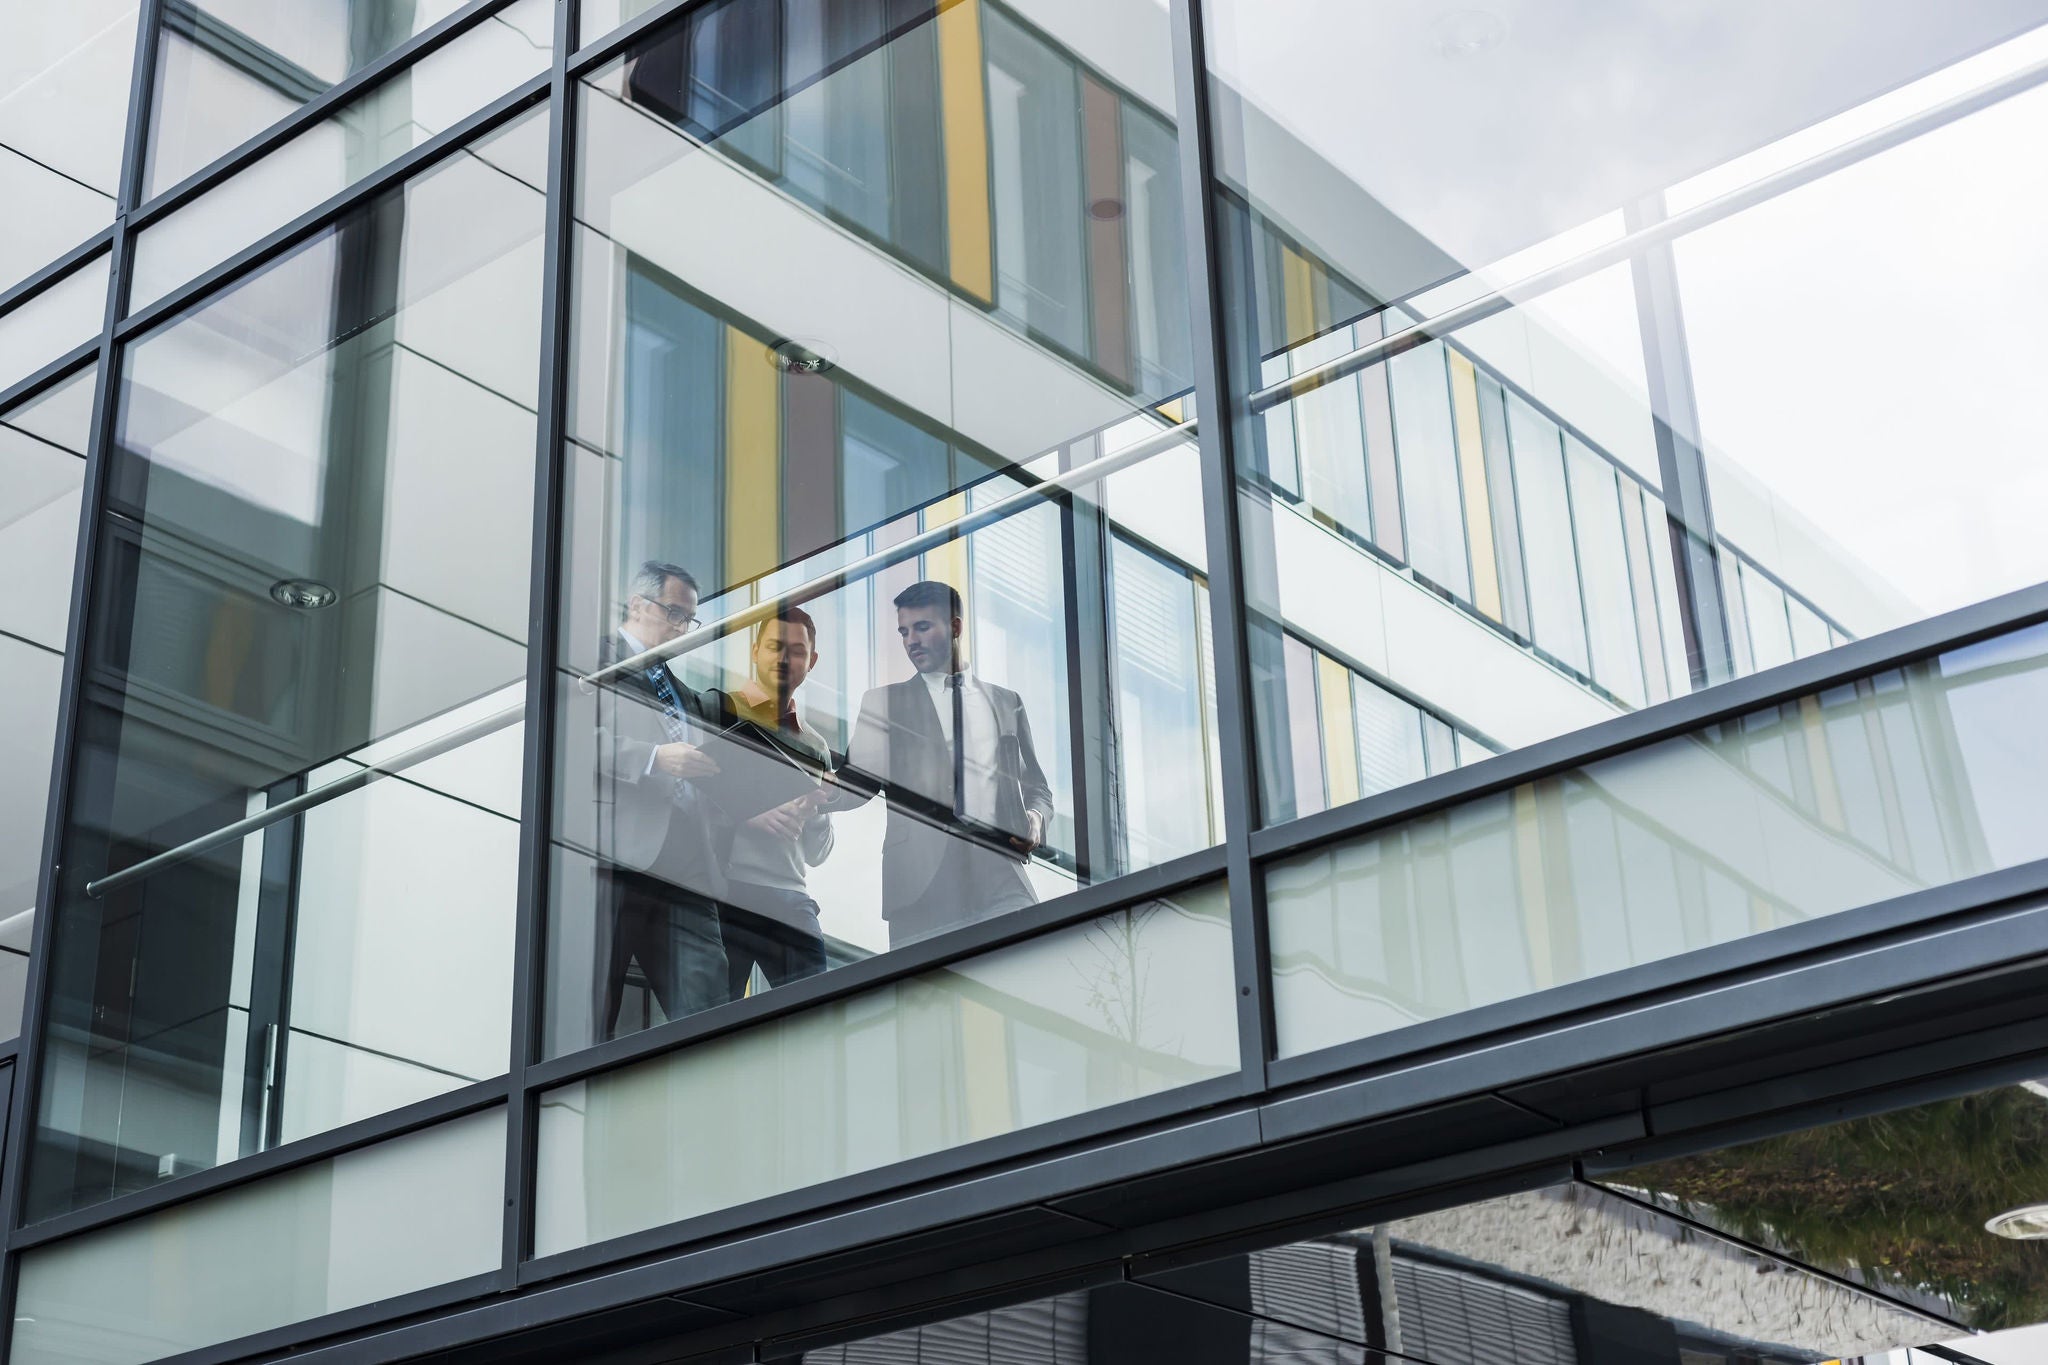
x=2026 y=1224
x=800 y=355
x=302 y=593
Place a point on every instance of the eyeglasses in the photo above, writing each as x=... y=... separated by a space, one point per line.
x=682 y=618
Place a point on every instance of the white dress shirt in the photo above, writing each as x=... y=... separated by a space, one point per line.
x=978 y=802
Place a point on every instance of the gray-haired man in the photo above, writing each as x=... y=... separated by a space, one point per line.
x=659 y=888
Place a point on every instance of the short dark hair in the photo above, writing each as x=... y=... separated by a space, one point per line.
x=931 y=593
x=796 y=616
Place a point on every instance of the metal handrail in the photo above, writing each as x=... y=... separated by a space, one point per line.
x=1065 y=481
x=1622 y=248
x=1474 y=310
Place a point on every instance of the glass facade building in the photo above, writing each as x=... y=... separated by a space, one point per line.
x=1023 y=681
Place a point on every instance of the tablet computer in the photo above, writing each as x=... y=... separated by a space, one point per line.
x=755 y=774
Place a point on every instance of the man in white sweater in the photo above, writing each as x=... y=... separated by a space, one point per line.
x=770 y=919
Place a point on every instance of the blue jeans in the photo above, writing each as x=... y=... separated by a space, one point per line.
x=772 y=941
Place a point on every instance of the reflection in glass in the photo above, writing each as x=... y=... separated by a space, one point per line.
x=1915 y=777
x=350 y=425
x=1897 y=1202
x=846 y=275
x=400 y=113
x=228 y=69
x=1606 y=491
x=64 y=71
x=1569 y=1274
x=376 y=1223
x=42 y=468
x=1085 y=1017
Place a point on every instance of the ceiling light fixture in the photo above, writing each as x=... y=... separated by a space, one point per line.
x=301 y=593
x=2025 y=1224
x=794 y=355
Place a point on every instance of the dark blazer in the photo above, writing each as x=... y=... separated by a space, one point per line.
x=642 y=823
x=899 y=748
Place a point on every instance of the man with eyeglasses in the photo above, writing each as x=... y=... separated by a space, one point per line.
x=659 y=879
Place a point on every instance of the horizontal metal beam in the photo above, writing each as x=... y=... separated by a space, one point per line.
x=400 y=168
x=305 y=801
x=1629 y=245
x=316 y=110
x=55 y=270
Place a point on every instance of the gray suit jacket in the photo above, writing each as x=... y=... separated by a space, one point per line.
x=642 y=822
x=899 y=748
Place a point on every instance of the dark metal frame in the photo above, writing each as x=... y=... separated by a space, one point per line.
x=1968 y=926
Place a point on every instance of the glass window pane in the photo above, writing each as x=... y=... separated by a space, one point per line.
x=64 y=73
x=1603 y=572
x=840 y=283
x=1738 y=384
x=372 y=130
x=1429 y=468
x=62 y=316
x=1094 y=1015
x=42 y=468
x=315 y=560
x=1618 y=863
x=403 y=1215
x=599 y=17
x=228 y=69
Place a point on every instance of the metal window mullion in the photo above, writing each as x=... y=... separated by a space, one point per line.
x=1681 y=459
x=542 y=640
x=1228 y=621
x=92 y=500
x=305 y=116
x=448 y=142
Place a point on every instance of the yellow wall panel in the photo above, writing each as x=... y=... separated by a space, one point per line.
x=1472 y=474
x=1340 y=730
x=963 y=110
x=753 y=459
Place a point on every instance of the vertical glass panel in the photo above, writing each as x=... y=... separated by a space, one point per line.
x=228 y=69
x=1165 y=743
x=377 y=1223
x=1429 y=468
x=65 y=70
x=372 y=130
x=42 y=467
x=1603 y=573
x=1086 y=1017
x=1733 y=393
x=595 y=18
x=852 y=282
x=315 y=564
x=62 y=316
x=1783 y=816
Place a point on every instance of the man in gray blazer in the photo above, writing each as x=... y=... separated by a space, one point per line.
x=968 y=800
x=660 y=844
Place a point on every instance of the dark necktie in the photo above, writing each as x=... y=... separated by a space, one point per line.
x=673 y=721
x=959 y=746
